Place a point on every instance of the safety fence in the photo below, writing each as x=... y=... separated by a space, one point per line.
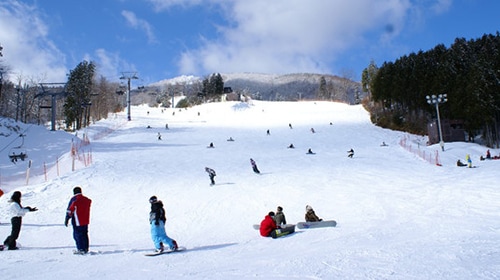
x=79 y=156
x=429 y=156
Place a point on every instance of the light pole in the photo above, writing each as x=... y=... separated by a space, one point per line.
x=128 y=76
x=436 y=100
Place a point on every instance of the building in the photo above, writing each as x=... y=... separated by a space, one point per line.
x=453 y=131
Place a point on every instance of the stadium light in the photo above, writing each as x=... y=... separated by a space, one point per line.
x=436 y=100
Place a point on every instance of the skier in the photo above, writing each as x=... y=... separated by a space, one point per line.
x=291 y=146
x=310 y=152
x=268 y=226
x=350 y=153
x=157 y=219
x=17 y=212
x=279 y=217
x=211 y=174
x=254 y=166
x=79 y=213
x=159 y=136
x=311 y=216
x=211 y=145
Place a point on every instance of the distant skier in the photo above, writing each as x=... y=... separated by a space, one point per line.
x=291 y=146
x=254 y=166
x=211 y=145
x=157 y=219
x=290 y=126
x=468 y=160
x=350 y=153
x=268 y=226
x=312 y=130
x=268 y=132
x=17 y=211
x=279 y=217
x=159 y=136
x=211 y=174
x=310 y=152
x=311 y=216
x=230 y=139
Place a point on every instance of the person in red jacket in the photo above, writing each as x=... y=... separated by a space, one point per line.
x=79 y=214
x=268 y=226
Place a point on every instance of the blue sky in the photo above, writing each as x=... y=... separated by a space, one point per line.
x=160 y=39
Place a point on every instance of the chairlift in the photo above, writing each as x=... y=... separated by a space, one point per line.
x=18 y=153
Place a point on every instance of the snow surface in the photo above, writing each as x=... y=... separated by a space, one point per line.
x=399 y=216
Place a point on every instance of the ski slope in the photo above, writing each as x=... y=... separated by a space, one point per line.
x=399 y=217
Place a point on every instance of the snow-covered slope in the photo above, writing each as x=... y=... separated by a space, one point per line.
x=399 y=217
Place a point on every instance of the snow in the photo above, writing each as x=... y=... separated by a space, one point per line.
x=399 y=216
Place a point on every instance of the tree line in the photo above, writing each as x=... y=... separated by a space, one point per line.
x=468 y=72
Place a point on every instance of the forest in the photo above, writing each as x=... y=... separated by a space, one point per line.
x=468 y=72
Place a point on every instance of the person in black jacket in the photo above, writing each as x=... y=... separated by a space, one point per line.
x=157 y=220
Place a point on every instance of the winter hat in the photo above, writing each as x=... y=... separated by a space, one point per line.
x=16 y=197
x=77 y=190
x=309 y=208
x=280 y=208
x=153 y=199
x=271 y=214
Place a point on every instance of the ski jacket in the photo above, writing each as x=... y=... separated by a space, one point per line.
x=157 y=213
x=311 y=216
x=16 y=210
x=267 y=226
x=79 y=210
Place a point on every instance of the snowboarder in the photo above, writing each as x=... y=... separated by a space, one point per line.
x=312 y=130
x=350 y=153
x=268 y=132
x=157 y=219
x=79 y=213
x=254 y=166
x=159 y=136
x=468 y=160
x=211 y=145
x=230 y=139
x=268 y=225
x=279 y=217
x=460 y=163
x=311 y=216
x=211 y=174
x=310 y=152
x=291 y=146
x=290 y=126
x=17 y=212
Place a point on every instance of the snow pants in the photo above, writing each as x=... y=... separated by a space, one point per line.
x=10 y=242
x=159 y=235
x=81 y=236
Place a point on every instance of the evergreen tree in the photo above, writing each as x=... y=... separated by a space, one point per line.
x=79 y=88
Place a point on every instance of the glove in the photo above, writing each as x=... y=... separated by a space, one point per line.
x=33 y=209
x=66 y=221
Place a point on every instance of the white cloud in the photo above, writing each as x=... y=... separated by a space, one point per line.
x=140 y=24
x=27 y=50
x=292 y=35
x=109 y=65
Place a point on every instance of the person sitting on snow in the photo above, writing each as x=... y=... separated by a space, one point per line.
x=268 y=225
x=279 y=217
x=311 y=216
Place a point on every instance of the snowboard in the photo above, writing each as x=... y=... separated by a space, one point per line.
x=257 y=226
x=280 y=232
x=306 y=225
x=179 y=249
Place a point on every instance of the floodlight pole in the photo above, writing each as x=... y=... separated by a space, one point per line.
x=128 y=76
x=436 y=100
